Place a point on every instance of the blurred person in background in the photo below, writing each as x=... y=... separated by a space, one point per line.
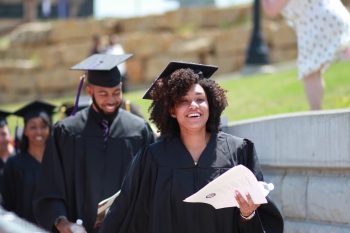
x=323 y=31
x=6 y=146
x=21 y=171
x=97 y=45
x=115 y=48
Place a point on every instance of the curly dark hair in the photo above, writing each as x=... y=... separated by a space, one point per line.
x=167 y=92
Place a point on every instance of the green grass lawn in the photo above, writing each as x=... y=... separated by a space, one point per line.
x=268 y=94
x=257 y=95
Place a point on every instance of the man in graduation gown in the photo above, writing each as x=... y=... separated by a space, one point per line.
x=84 y=162
x=6 y=148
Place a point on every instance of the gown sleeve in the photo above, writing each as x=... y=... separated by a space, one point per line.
x=267 y=217
x=49 y=197
x=128 y=211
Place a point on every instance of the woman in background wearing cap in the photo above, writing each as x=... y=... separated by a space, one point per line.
x=186 y=108
x=21 y=171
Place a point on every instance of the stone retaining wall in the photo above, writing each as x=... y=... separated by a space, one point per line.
x=205 y=35
x=307 y=157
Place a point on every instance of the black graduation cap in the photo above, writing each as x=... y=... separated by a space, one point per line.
x=206 y=71
x=3 y=115
x=35 y=109
x=102 y=69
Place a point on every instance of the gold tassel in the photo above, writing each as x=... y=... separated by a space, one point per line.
x=127 y=105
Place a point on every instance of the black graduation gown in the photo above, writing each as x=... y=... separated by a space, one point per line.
x=19 y=183
x=2 y=166
x=76 y=173
x=163 y=174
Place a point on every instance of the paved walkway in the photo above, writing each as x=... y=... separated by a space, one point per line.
x=248 y=70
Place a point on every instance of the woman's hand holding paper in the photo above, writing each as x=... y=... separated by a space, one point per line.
x=247 y=207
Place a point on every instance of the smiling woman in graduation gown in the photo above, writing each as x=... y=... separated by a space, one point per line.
x=21 y=171
x=163 y=174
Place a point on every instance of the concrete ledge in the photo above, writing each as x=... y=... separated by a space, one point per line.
x=306 y=139
x=306 y=156
x=294 y=190
x=309 y=227
x=328 y=199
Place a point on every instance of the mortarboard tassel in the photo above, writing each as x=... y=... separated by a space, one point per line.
x=80 y=87
x=78 y=95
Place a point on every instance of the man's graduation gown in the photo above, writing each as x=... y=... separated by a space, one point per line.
x=163 y=174
x=77 y=173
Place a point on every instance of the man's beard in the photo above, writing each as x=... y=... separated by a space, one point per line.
x=109 y=116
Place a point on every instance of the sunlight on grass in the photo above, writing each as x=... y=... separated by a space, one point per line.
x=256 y=95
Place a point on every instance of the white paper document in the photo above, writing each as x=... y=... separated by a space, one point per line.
x=220 y=192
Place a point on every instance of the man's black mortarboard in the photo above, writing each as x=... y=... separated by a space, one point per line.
x=3 y=115
x=203 y=71
x=101 y=70
x=67 y=108
x=35 y=109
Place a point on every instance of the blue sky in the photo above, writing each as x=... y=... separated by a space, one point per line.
x=131 y=8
